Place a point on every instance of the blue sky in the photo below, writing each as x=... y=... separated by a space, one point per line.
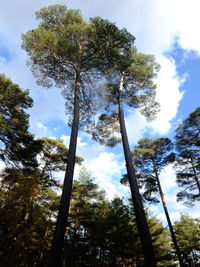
x=167 y=29
x=188 y=64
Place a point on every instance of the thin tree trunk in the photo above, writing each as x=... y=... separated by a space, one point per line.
x=41 y=251
x=178 y=253
x=141 y=220
x=59 y=233
x=195 y=175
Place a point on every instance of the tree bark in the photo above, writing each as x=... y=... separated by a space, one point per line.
x=59 y=233
x=141 y=220
x=178 y=253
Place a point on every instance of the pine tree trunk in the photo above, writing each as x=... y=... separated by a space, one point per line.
x=178 y=253
x=141 y=220
x=59 y=233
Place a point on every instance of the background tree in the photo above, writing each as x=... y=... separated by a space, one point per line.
x=188 y=158
x=104 y=233
x=27 y=193
x=99 y=232
x=66 y=50
x=26 y=218
x=188 y=234
x=130 y=82
x=161 y=242
x=79 y=245
x=53 y=158
x=17 y=145
x=150 y=157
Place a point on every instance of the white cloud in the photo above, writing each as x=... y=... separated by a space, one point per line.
x=168 y=179
x=90 y=151
x=105 y=164
x=153 y=210
x=185 y=20
x=168 y=95
x=41 y=126
x=175 y=216
x=66 y=140
x=165 y=22
x=104 y=168
x=136 y=125
x=2 y=165
x=39 y=129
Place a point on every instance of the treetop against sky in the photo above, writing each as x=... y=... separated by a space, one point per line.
x=167 y=29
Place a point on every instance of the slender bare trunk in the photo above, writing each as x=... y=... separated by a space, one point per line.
x=141 y=220
x=173 y=236
x=59 y=233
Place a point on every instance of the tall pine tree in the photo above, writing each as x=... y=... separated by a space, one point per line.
x=188 y=158
x=17 y=145
x=130 y=82
x=71 y=53
x=150 y=157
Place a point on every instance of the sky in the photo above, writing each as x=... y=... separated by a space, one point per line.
x=167 y=29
